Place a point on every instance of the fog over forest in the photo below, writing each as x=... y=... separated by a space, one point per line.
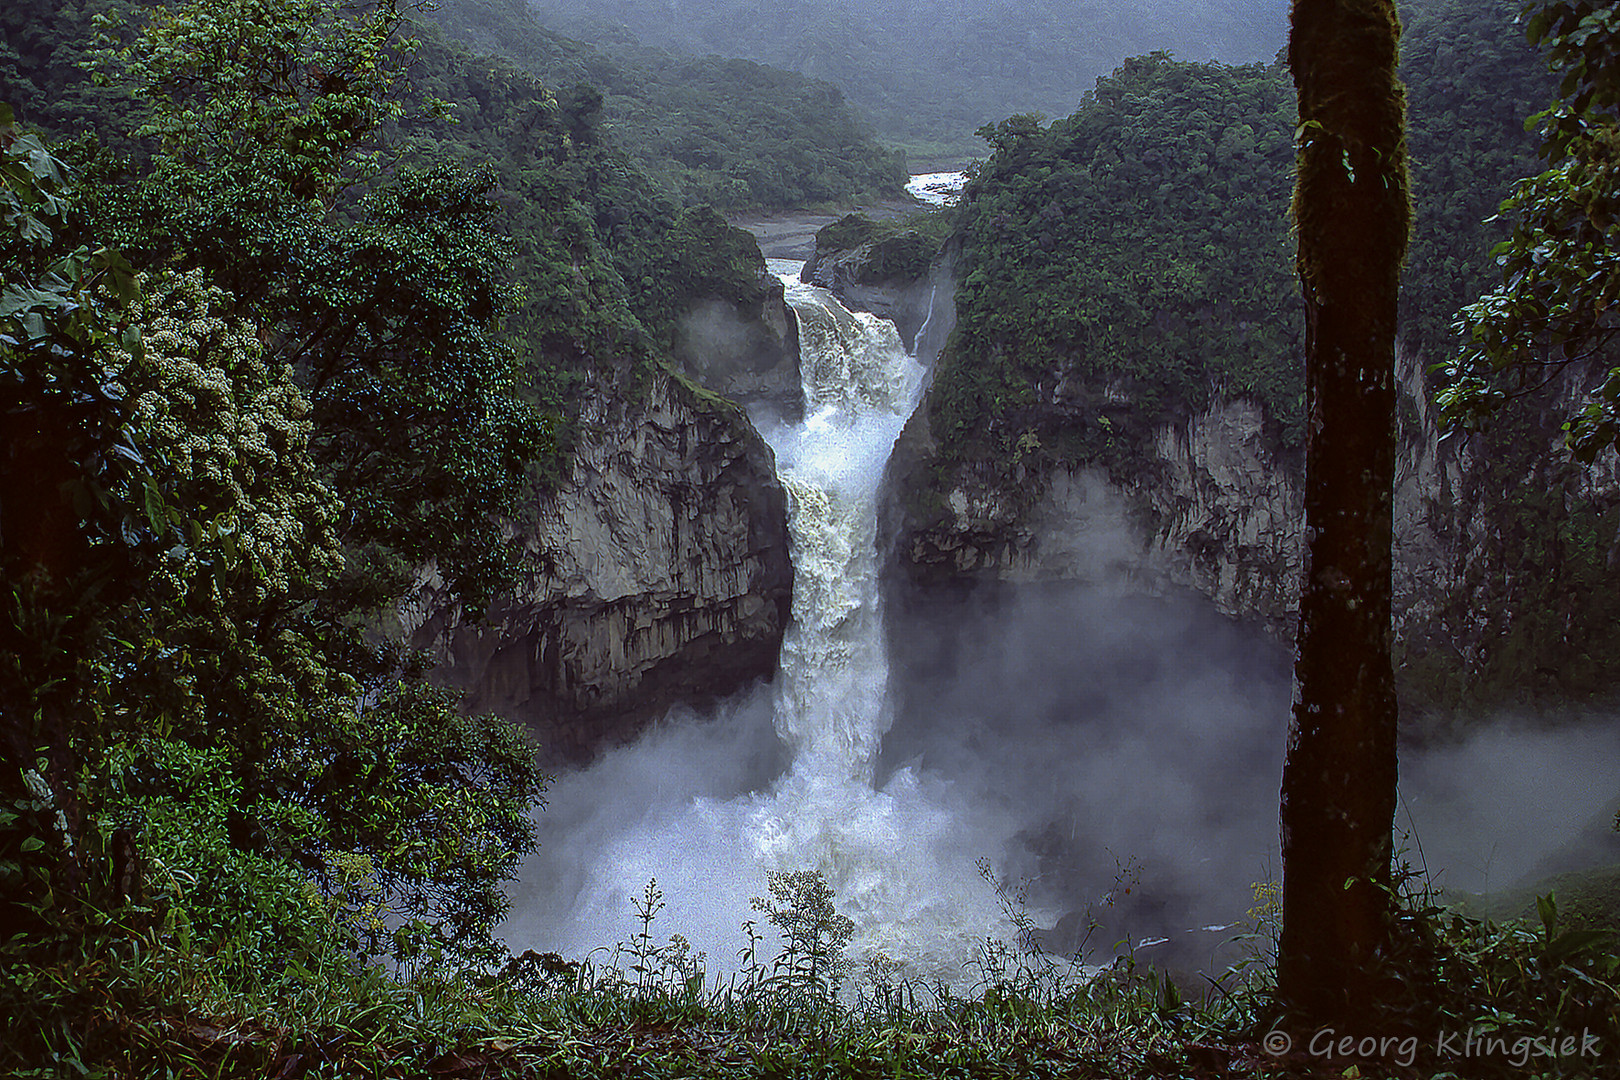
x=931 y=72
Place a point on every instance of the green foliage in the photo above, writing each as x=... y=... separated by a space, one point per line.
x=238 y=525
x=291 y=86
x=227 y=440
x=211 y=643
x=433 y=806
x=241 y=456
x=1470 y=80
x=1124 y=265
x=708 y=131
x=387 y=315
x=153 y=1000
x=1448 y=975
x=253 y=910
x=901 y=249
x=1543 y=553
x=73 y=484
x=44 y=49
x=672 y=262
x=1128 y=262
x=606 y=265
x=190 y=677
x=60 y=306
x=1559 y=272
x=812 y=965
x=1006 y=136
x=602 y=266
x=849 y=231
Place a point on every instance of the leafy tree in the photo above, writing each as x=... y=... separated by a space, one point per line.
x=1007 y=135
x=44 y=49
x=71 y=476
x=1471 y=79
x=287 y=85
x=1561 y=265
x=1122 y=266
x=1353 y=215
x=385 y=303
x=211 y=488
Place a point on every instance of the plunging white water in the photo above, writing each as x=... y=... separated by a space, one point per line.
x=859 y=387
x=894 y=856
x=901 y=859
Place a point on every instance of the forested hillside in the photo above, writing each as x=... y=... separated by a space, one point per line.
x=729 y=133
x=1123 y=267
x=1158 y=212
x=569 y=195
x=929 y=73
x=1123 y=263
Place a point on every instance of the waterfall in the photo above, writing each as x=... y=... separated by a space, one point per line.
x=901 y=857
x=928 y=320
x=859 y=387
x=897 y=860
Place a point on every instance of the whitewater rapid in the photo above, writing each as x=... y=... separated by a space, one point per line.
x=937 y=189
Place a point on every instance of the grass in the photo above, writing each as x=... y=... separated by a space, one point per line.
x=1586 y=899
x=148 y=1001
x=467 y=1027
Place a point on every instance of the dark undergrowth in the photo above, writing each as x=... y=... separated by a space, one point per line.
x=129 y=993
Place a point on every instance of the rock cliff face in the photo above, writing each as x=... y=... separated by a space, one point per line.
x=889 y=277
x=1494 y=536
x=659 y=574
x=746 y=351
x=1216 y=510
x=1505 y=549
x=1503 y=546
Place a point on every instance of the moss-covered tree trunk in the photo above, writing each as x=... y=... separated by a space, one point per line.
x=1353 y=214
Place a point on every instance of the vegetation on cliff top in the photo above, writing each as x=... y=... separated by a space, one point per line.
x=1121 y=266
x=1160 y=271
x=1124 y=265
x=899 y=249
x=1549 y=316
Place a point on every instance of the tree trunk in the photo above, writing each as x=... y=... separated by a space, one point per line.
x=1352 y=210
x=42 y=551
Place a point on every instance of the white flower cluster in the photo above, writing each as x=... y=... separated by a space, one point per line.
x=228 y=441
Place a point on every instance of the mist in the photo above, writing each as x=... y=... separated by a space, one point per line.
x=1116 y=758
x=935 y=71
x=1111 y=759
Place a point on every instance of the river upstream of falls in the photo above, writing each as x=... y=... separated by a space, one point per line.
x=1118 y=755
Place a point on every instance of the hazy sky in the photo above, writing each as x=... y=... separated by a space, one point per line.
x=939 y=68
